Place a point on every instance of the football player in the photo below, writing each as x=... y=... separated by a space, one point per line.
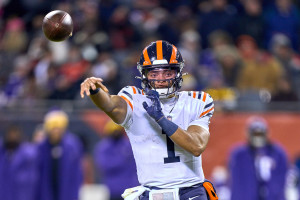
x=168 y=130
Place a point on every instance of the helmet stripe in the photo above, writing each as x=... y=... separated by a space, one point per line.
x=173 y=56
x=159 y=50
x=146 y=57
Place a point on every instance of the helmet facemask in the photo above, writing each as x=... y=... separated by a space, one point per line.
x=173 y=84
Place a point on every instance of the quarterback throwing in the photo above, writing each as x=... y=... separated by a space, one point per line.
x=168 y=129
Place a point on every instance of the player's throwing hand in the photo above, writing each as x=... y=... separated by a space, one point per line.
x=91 y=83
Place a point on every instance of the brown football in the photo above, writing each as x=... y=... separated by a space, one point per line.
x=57 y=25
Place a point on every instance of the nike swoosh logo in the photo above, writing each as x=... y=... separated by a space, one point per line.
x=193 y=197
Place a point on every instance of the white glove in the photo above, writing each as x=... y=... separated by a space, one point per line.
x=133 y=193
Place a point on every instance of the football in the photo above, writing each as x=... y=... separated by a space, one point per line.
x=57 y=25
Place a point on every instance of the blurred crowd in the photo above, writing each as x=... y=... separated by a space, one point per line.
x=237 y=50
x=53 y=164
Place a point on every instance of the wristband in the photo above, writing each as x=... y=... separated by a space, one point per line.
x=92 y=92
x=167 y=126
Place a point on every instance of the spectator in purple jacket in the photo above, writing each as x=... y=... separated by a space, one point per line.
x=18 y=167
x=114 y=161
x=258 y=168
x=60 y=160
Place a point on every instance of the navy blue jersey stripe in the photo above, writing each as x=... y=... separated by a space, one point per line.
x=189 y=93
x=199 y=95
x=208 y=105
x=209 y=114
x=139 y=90
x=129 y=95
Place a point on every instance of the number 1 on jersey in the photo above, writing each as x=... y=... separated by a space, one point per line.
x=171 y=151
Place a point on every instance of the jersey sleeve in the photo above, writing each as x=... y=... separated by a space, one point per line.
x=205 y=113
x=126 y=93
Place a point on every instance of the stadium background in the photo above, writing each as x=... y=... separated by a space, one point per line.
x=37 y=75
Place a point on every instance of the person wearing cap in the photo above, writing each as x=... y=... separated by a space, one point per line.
x=258 y=168
x=18 y=166
x=60 y=155
x=120 y=172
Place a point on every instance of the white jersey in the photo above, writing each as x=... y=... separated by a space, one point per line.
x=159 y=161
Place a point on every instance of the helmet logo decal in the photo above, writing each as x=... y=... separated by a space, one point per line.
x=159 y=50
x=146 y=57
x=173 y=56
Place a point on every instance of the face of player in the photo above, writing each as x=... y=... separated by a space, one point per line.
x=161 y=78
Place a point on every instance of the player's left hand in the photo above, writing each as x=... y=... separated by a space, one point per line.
x=155 y=110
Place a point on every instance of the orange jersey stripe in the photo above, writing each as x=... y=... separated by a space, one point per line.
x=173 y=56
x=134 y=90
x=129 y=103
x=146 y=57
x=204 y=113
x=159 y=51
x=194 y=95
x=204 y=97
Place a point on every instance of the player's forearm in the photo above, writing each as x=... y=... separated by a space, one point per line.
x=103 y=101
x=192 y=141
x=113 y=105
